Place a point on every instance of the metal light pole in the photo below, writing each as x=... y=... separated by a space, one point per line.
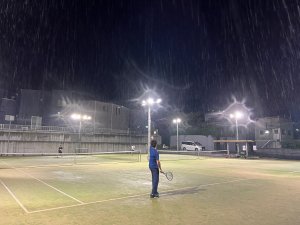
x=150 y=102
x=237 y=129
x=111 y=113
x=177 y=121
x=9 y=118
x=79 y=134
x=80 y=118
x=237 y=115
x=149 y=127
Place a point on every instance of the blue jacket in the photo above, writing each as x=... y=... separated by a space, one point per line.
x=154 y=156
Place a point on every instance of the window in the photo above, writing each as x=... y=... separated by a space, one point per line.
x=283 y=131
x=276 y=131
x=261 y=132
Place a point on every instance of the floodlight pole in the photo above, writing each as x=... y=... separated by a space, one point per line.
x=177 y=121
x=8 y=139
x=80 y=117
x=237 y=136
x=237 y=115
x=149 y=102
x=177 y=136
x=237 y=129
x=111 y=115
x=79 y=133
x=9 y=118
x=149 y=129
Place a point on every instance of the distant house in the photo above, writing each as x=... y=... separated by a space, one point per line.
x=271 y=132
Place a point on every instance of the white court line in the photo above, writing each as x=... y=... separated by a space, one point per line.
x=13 y=195
x=89 y=203
x=48 y=185
x=134 y=196
x=294 y=172
x=43 y=182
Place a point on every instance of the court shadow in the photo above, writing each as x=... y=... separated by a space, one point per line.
x=187 y=191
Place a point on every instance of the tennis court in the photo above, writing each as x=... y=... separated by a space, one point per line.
x=115 y=190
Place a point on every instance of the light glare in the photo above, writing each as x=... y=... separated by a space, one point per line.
x=177 y=120
x=150 y=102
x=76 y=116
x=236 y=115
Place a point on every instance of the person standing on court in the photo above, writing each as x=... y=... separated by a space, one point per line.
x=155 y=168
x=60 y=148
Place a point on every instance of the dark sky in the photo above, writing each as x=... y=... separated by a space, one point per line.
x=195 y=54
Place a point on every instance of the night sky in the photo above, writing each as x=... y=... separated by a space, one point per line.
x=197 y=55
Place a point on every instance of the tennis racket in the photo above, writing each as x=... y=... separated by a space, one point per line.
x=169 y=175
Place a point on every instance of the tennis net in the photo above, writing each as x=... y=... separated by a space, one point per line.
x=187 y=155
x=10 y=160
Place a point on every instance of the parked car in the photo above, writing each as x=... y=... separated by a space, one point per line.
x=165 y=147
x=191 y=146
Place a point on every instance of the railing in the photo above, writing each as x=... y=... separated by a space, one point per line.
x=265 y=143
x=71 y=129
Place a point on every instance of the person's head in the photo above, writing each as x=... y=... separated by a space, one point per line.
x=153 y=143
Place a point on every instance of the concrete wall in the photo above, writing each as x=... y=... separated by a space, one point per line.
x=279 y=153
x=38 y=142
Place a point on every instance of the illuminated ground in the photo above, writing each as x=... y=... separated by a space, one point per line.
x=210 y=191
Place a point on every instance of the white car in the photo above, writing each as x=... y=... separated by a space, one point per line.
x=191 y=146
x=166 y=147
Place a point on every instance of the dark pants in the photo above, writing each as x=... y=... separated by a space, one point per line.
x=155 y=180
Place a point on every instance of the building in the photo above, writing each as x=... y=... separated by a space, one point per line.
x=272 y=132
x=55 y=108
x=107 y=115
x=138 y=121
x=7 y=107
x=31 y=104
x=61 y=104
